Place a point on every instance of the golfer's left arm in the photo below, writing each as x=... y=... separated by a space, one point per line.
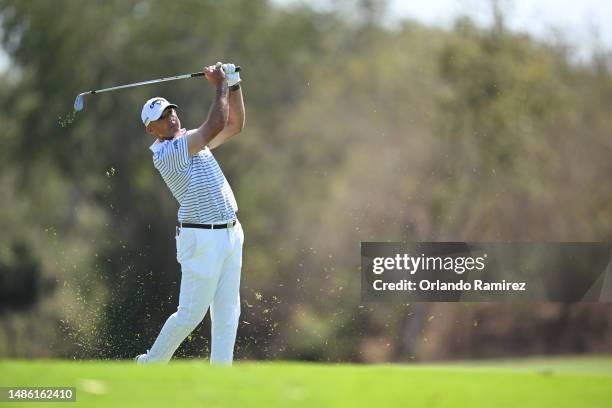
x=235 y=119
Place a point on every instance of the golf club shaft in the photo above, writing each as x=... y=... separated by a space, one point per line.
x=153 y=81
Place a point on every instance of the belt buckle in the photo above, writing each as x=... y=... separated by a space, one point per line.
x=230 y=224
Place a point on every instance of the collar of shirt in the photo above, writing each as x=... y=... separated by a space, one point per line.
x=158 y=143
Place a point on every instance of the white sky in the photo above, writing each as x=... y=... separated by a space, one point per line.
x=582 y=22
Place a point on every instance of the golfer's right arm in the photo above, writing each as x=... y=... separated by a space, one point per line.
x=217 y=115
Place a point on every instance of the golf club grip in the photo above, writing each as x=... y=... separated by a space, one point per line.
x=197 y=74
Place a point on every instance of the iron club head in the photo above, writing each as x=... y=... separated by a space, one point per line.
x=78 y=102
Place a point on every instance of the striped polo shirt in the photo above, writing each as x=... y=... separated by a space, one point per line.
x=197 y=182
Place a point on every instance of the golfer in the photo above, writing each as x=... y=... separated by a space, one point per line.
x=209 y=237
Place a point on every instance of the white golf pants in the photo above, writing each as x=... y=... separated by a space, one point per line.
x=210 y=265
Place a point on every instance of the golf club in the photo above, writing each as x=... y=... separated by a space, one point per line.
x=78 y=102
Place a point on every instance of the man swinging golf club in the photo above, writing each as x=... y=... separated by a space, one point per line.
x=209 y=237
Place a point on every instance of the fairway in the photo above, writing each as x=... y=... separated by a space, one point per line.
x=558 y=382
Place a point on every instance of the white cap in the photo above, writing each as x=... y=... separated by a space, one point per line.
x=153 y=109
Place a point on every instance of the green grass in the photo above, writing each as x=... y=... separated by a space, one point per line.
x=555 y=382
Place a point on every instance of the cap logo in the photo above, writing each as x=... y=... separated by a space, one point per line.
x=155 y=102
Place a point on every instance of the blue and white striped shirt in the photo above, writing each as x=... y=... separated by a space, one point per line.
x=197 y=182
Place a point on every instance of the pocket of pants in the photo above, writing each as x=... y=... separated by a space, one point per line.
x=239 y=232
x=186 y=242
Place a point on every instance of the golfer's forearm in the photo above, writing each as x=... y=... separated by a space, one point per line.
x=214 y=124
x=219 y=110
x=236 y=116
x=217 y=115
x=235 y=121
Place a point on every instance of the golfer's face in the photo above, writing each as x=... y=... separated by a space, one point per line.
x=168 y=124
x=170 y=117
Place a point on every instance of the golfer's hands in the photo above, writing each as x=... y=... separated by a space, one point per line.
x=233 y=77
x=215 y=74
